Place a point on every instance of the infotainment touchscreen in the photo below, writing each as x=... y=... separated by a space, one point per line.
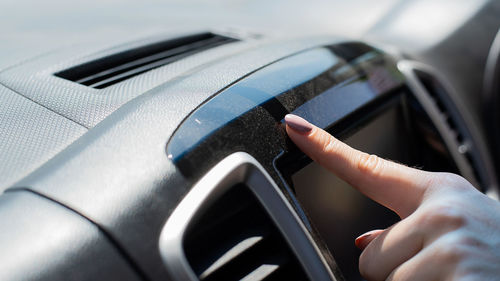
x=338 y=211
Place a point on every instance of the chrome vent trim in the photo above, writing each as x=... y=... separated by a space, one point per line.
x=454 y=124
x=238 y=168
x=115 y=68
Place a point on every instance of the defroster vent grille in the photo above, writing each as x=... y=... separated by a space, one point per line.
x=115 y=68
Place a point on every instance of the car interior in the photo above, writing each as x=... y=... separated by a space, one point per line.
x=136 y=153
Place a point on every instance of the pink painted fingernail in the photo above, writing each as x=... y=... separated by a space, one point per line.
x=298 y=124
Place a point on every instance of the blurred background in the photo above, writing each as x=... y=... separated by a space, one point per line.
x=31 y=27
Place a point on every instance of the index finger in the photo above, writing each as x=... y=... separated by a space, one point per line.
x=395 y=186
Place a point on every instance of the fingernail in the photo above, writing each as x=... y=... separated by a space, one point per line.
x=362 y=241
x=298 y=124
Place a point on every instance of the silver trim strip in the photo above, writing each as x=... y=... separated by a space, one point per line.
x=239 y=167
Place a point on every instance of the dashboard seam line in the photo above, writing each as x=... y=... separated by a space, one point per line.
x=121 y=251
x=44 y=106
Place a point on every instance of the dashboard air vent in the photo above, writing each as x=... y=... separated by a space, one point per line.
x=436 y=92
x=235 y=239
x=439 y=96
x=236 y=224
x=112 y=69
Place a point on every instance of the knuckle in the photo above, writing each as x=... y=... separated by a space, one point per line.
x=451 y=254
x=451 y=179
x=467 y=242
x=448 y=180
x=329 y=144
x=442 y=215
x=455 y=249
x=370 y=164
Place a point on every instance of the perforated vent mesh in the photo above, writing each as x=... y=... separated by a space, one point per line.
x=236 y=240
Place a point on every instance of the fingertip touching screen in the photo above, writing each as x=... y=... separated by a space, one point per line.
x=338 y=212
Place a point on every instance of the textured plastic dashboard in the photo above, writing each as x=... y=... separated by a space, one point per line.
x=87 y=106
x=31 y=135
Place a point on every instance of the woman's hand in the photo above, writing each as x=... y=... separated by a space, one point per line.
x=449 y=230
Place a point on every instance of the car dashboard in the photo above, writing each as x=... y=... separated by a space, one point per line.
x=166 y=158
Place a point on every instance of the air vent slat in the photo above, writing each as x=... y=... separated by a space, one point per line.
x=262 y=272
x=450 y=117
x=231 y=254
x=433 y=89
x=269 y=251
x=116 y=68
x=147 y=63
x=235 y=239
x=287 y=271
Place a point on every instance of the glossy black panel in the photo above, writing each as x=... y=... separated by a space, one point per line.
x=257 y=90
x=318 y=84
